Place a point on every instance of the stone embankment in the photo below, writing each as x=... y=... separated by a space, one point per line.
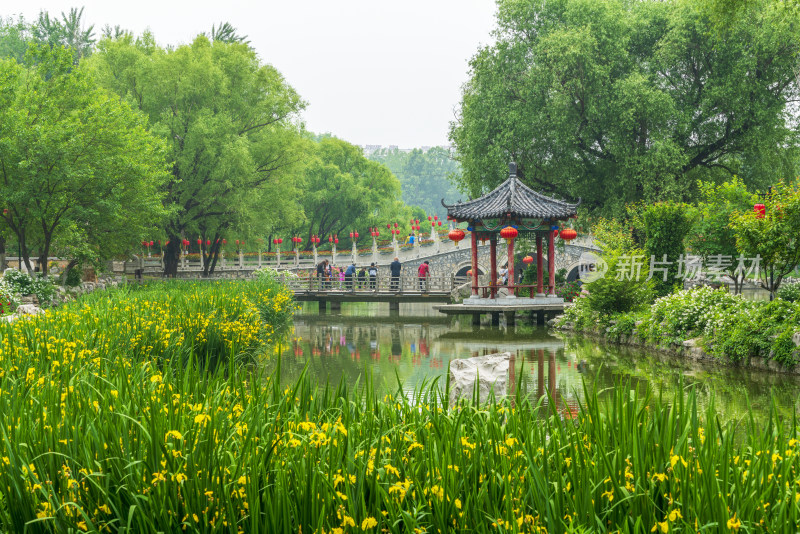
x=690 y=349
x=30 y=306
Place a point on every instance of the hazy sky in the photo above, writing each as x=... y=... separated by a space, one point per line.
x=372 y=71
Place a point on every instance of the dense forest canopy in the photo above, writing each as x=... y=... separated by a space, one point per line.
x=616 y=101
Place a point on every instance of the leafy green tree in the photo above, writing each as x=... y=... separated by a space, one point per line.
x=617 y=101
x=233 y=128
x=712 y=234
x=665 y=226
x=78 y=169
x=773 y=238
x=14 y=38
x=343 y=191
x=69 y=31
x=425 y=177
x=227 y=34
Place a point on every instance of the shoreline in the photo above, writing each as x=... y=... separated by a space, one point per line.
x=690 y=350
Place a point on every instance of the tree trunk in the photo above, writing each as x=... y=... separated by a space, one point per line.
x=172 y=256
x=2 y=253
x=71 y=265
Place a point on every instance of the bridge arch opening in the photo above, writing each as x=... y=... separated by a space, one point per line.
x=463 y=271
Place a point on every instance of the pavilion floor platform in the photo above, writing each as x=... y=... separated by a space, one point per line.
x=542 y=308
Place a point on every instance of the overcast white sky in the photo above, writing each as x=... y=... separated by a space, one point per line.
x=372 y=71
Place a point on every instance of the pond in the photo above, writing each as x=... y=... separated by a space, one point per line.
x=414 y=347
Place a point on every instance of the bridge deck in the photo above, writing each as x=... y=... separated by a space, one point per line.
x=304 y=295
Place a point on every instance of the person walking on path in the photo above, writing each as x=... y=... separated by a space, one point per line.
x=423 y=272
x=395 y=270
x=373 y=276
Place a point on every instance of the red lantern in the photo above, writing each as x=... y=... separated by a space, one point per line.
x=417 y=221
x=356 y=234
x=351 y=235
x=199 y=241
x=395 y=225
x=330 y=239
x=388 y=225
x=509 y=232
x=224 y=241
x=456 y=235
x=527 y=260
x=208 y=242
x=274 y=241
x=439 y=222
x=237 y=242
x=433 y=223
x=430 y=218
x=568 y=234
x=336 y=240
x=280 y=241
x=151 y=243
x=435 y=217
x=761 y=210
x=299 y=240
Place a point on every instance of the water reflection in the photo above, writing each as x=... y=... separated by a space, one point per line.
x=413 y=349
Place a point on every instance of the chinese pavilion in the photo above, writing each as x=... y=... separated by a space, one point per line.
x=511 y=210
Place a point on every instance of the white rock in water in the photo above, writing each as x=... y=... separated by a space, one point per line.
x=491 y=372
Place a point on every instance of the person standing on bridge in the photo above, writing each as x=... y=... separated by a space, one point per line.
x=321 y=272
x=423 y=272
x=395 y=270
x=373 y=275
x=349 y=276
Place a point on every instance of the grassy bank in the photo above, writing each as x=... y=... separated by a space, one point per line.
x=114 y=418
x=728 y=326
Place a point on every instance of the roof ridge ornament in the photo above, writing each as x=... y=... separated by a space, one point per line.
x=512 y=175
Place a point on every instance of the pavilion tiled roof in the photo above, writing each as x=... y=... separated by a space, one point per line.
x=514 y=197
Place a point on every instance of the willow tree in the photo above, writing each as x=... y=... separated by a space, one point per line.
x=616 y=101
x=77 y=165
x=232 y=124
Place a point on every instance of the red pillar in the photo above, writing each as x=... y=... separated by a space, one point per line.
x=551 y=262
x=493 y=248
x=474 y=263
x=539 y=265
x=510 y=267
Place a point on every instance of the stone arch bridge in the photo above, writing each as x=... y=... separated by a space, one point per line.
x=445 y=257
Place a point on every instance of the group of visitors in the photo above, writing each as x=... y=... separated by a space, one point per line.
x=350 y=277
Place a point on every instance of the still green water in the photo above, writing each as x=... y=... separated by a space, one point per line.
x=413 y=348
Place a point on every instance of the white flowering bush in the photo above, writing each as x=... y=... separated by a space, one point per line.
x=8 y=303
x=25 y=284
x=690 y=313
x=268 y=274
x=731 y=327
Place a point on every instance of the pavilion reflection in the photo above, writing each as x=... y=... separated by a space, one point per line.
x=416 y=353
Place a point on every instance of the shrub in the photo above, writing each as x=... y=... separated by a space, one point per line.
x=8 y=302
x=616 y=293
x=789 y=292
x=41 y=286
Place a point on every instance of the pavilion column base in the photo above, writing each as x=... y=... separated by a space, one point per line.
x=540 y=295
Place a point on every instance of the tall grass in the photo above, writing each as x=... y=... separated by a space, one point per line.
x=132 y=434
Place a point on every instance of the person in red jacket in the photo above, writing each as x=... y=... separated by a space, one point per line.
x=423 y=272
